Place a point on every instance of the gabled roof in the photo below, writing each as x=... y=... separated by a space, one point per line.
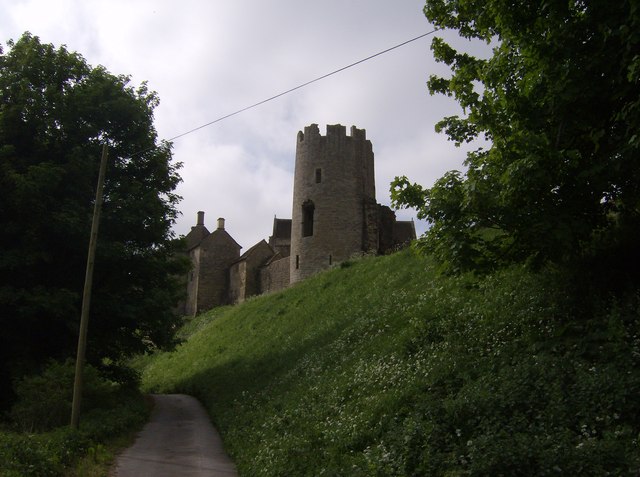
x=221 y=234
x=195 y=236
x=254 y=249
x=276 y=256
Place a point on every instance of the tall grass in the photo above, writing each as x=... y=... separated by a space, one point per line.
x=381 y=367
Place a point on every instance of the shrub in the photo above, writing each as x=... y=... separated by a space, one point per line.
x=44 y=400
x=41 y=455
x=50 y=454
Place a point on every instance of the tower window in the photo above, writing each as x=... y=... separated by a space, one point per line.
x=297 y=262
x=307 y=218
x=318 y=176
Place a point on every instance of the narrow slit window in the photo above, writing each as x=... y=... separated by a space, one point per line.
x=330 y=259
x=318 y=176
x=297 y=262
x=308 y=210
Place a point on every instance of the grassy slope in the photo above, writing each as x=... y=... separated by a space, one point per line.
x=381 y=368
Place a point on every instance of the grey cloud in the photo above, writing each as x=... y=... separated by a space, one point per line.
x=208 y=59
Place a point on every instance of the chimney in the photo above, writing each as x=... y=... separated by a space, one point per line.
x=220 y=223
x=200 y=218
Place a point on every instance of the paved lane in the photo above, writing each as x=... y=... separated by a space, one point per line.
x=178 y=441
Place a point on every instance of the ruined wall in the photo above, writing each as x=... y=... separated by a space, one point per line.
x=333 y=178
x=275 y=276
x=244 y=275
x=237 y=282
x=386 y=227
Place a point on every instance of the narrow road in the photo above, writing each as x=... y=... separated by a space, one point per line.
x=178 y=441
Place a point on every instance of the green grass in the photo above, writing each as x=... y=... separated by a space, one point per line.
x=381 y=367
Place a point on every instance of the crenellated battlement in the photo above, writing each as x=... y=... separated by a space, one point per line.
x=334 y=177
x=333 y=131
x=334 y=217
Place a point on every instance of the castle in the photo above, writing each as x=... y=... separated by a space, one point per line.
x=335 y=216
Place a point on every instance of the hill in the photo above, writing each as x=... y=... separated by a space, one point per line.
x=383 y=367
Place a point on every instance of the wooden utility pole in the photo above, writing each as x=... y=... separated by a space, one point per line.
x=86 y=296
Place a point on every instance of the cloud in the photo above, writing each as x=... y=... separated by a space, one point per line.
x=209 y=59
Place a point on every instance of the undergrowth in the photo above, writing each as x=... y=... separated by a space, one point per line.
x=35 y=439
x=384 y=368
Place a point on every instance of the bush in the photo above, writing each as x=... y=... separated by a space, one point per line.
x=44 y=406
x=41 y=455
x=44 y=400
x=51 y=453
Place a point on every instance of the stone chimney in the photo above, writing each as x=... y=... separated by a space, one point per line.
x=200 y=218
x=220 y=223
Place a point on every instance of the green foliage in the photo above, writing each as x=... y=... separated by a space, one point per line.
x=386 y=368
x=44 y=400
x=56 y=112
x=110 y=411
x=559 y=103
x=41 y=455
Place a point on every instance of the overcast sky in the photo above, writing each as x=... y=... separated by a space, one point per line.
x=209 y=58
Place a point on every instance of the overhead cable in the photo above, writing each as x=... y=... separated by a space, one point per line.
x=301 y=86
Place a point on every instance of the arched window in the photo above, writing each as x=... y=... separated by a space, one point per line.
x=307 y=218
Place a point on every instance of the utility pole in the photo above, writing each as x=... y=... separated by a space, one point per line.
x=86 y=296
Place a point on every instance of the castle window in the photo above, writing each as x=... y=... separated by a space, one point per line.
x=307 y=218
x=297 y=262
x=318 y=176
x=330 y=259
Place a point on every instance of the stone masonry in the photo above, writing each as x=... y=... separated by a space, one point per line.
x=335 y=217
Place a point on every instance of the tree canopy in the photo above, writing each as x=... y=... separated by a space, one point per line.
x=56 y=112
x=558 y=102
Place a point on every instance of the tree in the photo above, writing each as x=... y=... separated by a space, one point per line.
x=56 y=112
x=559 y=103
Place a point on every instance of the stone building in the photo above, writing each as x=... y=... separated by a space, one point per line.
x=335 y=217
x=244 y=274
x=335 y=214
x=212 y=255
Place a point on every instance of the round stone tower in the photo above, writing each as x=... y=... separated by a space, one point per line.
x=333 y=191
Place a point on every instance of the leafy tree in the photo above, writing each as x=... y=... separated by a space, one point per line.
x=558 y=102
x=56 y=112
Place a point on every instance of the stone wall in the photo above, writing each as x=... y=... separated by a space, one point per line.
x=191 y=304
x=238 y=282
x=217 y=252
x=335 y=216
x=275 y=276
x=333 y=178
x=244 y=275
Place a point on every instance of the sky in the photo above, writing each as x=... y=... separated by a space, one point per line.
x=210 y=58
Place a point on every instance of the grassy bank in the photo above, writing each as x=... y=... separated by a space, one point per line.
x=380 y=367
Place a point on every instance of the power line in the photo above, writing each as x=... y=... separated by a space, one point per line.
x=302 y=85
